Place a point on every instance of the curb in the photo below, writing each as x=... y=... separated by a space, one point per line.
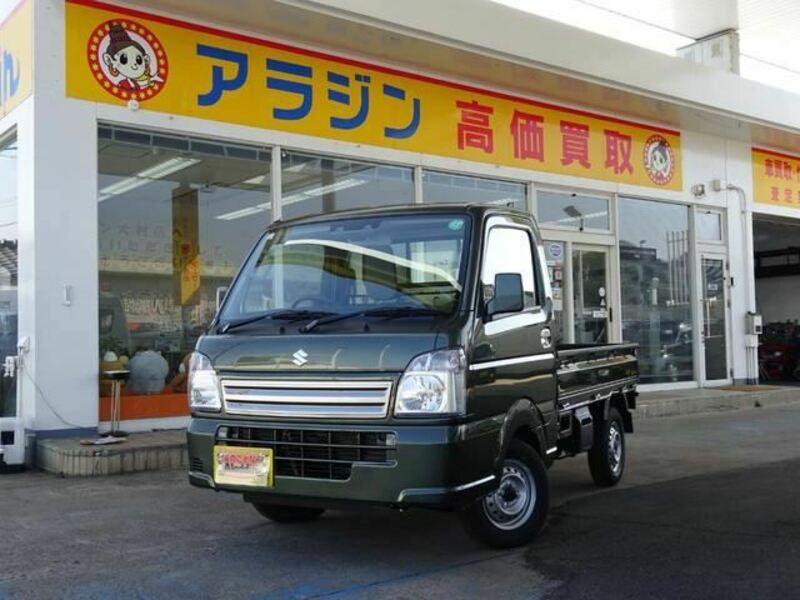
x=672 y=407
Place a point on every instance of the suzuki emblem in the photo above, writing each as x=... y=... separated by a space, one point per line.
x=300 y=357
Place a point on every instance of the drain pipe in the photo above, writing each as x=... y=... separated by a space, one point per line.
x=751 y=347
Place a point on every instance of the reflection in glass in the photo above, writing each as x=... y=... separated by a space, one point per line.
x=347 y=265
x=176 y=217
x=656 y=295
x=8 y=272
x=589 y=299
x=558 y=209
x=709 y=226
x=316 y=184
x=714 y=327
x=556 y=267
x=509 y=250
x=462 y=189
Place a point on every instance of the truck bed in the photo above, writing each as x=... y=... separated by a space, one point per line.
x=588 y=373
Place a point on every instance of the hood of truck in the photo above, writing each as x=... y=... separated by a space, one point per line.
x=315 y=353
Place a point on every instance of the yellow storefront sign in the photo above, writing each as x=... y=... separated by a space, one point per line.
x=776 y=178
x=16 y=56
x=116 y=55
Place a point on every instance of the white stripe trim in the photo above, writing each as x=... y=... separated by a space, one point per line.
x=511 y=361
x=472 y=484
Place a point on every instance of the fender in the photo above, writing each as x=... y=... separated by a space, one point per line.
x=522 y=415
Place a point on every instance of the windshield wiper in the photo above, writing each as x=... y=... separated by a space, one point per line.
x=378 y=311
x=278 y=315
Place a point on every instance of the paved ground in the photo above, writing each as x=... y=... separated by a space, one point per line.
x=709 y=509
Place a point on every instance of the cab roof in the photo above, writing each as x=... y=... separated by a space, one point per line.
x=479 y=211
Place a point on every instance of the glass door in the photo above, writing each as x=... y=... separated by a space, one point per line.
x=714 y=317
x=12 y=437
x=555 y=254
x=590 y=294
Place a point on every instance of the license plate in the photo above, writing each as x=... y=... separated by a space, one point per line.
x=234 y=465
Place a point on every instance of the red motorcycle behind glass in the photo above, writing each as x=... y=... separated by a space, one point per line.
x=779 y=352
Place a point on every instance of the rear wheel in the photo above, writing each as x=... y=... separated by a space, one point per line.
x=288 y=514
x=515 y=512
x=607 y=455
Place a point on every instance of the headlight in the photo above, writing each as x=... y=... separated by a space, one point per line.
x=433 y=384
x=203 y=385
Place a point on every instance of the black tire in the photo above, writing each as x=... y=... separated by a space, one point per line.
x=607 y=455
x=515 y=513
x=288 y=514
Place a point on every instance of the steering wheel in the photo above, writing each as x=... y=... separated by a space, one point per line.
x=314 y=301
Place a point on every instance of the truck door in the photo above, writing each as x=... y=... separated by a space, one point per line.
x=512 y=352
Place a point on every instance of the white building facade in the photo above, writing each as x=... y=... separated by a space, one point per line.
x=154 y=141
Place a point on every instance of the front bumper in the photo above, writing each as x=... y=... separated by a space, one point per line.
x=442 y=466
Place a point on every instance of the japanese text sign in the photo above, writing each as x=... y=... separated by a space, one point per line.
x=16 y=56
x=115 y=55
x=776 y=178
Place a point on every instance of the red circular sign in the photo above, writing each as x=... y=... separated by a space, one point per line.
x=659 y=159
x=127 y=60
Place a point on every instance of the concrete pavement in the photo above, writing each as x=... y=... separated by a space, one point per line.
x=708 y=509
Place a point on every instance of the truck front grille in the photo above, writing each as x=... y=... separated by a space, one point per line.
x=307 y=399
x=313 y=453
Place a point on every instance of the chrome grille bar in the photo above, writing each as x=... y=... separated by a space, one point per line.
x=307 y=399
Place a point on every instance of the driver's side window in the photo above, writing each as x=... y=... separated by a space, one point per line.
x=509 y=250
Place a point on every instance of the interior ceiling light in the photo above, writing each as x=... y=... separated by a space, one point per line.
x=158 y=171
x=292 y=198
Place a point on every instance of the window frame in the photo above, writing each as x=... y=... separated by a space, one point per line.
x=599 y=195
x=702 y=210
x=505 y=222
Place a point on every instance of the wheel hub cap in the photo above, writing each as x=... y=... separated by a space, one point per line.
x=614 y=449
x=515 y=498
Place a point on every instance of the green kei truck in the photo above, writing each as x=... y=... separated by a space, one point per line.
x=405 y=357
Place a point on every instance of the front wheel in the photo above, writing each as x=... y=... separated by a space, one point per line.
x=288 y=514
x=607 y=455
x=515 y=512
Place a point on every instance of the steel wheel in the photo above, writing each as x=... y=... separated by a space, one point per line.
x=515 y=512
x=607 y=454
x=614 y=449
x=515 y=498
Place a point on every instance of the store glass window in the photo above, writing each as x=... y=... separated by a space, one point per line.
x=572 y=211
x=656 y=295
x=317 y=184
x=8 y=270
x=461 y=189
x=177 y=216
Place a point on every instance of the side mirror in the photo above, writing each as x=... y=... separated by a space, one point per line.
x=508 y=294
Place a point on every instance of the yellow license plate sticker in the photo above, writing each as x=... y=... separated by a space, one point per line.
x=234 y=465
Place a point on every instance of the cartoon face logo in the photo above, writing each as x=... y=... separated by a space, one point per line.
x=127 y=60
x=659 y=160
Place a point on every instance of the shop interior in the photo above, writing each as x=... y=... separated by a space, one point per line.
x=178 y=214
x=777 y=275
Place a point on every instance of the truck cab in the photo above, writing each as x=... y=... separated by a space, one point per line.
x=402 y=357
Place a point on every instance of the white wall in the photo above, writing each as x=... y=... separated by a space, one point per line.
x=58 y=231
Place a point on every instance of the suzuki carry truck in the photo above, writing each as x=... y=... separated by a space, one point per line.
x=404 y=357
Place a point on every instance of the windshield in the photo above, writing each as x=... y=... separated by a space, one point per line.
x=356 y=264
